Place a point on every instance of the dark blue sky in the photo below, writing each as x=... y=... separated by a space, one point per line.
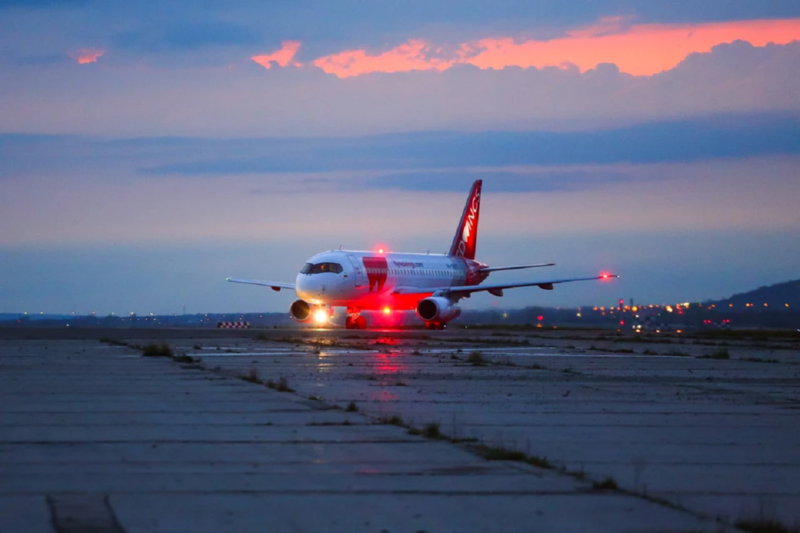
x=150 y=149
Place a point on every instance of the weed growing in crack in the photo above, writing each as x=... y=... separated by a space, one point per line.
x=498 y=453
x=432 y=431
x=282 y=385
x=764 y=524
x=721 y=353
x=156 y=350
x=477 y=359
x=393 y=420
x=113 y=342
x=252 y=377
x=607 y=484
x=183 y=358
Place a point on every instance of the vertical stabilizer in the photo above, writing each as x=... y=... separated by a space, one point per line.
x=466 y=237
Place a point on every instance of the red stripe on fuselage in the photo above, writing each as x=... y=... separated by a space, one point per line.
x=377 y=270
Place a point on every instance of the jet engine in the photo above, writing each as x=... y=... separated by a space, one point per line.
x=302 y=311
x=437 y=309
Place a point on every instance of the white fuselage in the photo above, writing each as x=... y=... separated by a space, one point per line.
x=367 y=280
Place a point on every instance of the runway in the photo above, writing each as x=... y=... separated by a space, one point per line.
x=94 y=431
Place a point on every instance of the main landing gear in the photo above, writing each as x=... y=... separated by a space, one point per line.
x=435 y=325
x=354 y=320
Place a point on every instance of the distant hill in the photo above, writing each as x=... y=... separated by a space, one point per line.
x=777 y=295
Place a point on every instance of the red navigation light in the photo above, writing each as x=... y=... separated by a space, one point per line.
x=380 y=250
x=621 y=322
x=540 y=318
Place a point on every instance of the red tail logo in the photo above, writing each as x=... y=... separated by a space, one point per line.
x=466 y=237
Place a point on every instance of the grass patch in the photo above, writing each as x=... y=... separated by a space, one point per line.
x=677 y=353
x=251 y=377
x=759 y=360
x=113 y=342
x=157 y=350
x=607 y=484
x=393 y=420
x=476 y=358
x=432 y=431
x=764 y=525
x=498 y=453
x=183 y=358
x=352 y=407
x=721 y=353
x=282 y=385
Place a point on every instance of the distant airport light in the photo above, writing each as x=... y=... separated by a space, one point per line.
x=386 y=310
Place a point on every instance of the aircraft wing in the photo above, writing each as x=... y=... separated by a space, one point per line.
x=275 y=285
x=515 y=267
x=494 y=288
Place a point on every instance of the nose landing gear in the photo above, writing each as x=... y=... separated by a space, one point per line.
x=435 y=325
x=354 y=320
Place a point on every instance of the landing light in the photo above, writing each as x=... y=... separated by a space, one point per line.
x=321 y=316
x=386 y=310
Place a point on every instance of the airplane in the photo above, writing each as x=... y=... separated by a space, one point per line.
x=430 y=284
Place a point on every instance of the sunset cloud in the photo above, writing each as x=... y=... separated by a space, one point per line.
x=414 y=55
x=637 y=49
x=86 y=55
x=282 y=57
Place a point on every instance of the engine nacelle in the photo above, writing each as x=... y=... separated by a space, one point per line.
x=437 y=309
x=302 y=311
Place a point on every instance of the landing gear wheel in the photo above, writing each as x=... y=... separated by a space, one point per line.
x=348 y=323
x=360 y=323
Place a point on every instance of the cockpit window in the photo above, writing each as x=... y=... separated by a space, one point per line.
x=321 y=268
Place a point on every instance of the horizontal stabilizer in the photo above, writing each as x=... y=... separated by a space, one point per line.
x=274 y=285
x=515 y=267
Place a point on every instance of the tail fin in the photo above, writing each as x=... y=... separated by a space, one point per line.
x=466 y=237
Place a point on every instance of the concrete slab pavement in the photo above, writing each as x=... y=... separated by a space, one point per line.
x=95 y=438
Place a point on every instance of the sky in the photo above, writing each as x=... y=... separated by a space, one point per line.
x=148 y=150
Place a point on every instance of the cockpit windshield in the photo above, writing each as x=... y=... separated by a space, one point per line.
x=321 y=268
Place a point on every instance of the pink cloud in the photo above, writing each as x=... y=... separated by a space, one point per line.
x=86 y=55
x=638 y=49
x=416 y=54
x=282 y=57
